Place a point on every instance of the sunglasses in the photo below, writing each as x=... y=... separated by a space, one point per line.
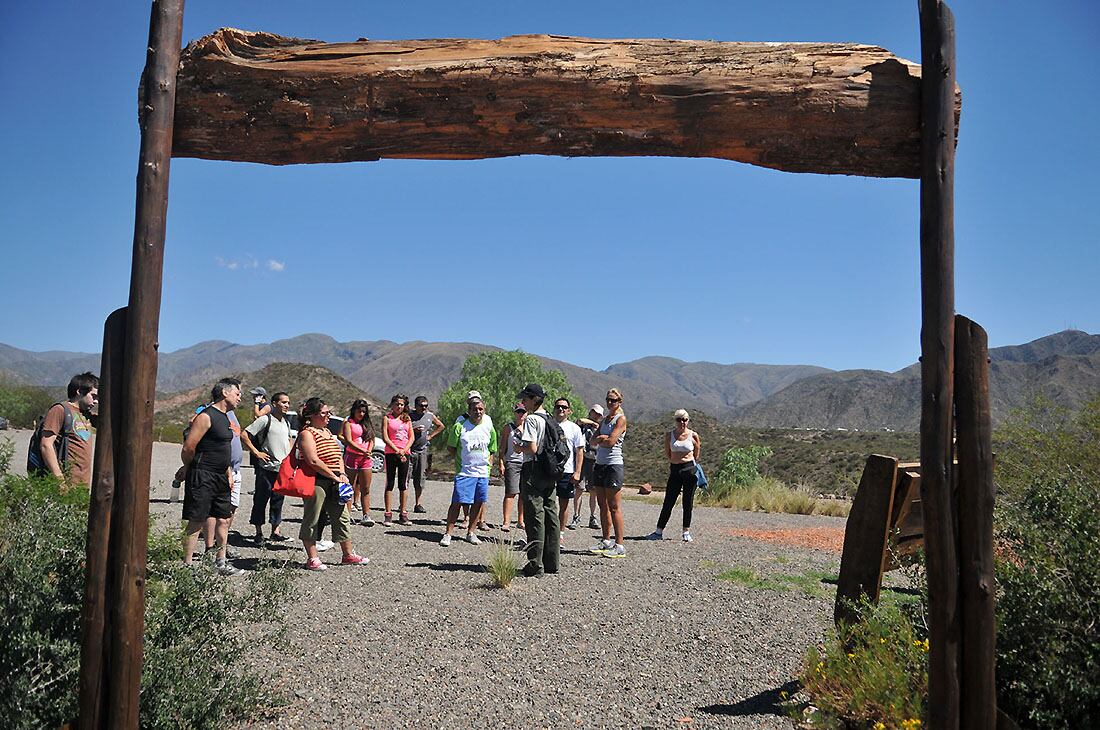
x=561 y=407
x=683 y=420
x=614 y=400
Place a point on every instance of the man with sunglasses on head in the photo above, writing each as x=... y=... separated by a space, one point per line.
x=571 y=477
x=426 y=426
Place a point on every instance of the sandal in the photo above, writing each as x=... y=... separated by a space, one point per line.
x=505 y=528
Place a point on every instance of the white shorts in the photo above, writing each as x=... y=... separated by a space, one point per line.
x=235 y=490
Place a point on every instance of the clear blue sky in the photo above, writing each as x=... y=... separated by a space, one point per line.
x=786 y=268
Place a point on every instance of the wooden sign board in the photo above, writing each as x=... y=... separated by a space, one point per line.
x=885 y=527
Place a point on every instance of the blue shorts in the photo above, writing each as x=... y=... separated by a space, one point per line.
x=565 y=487
x=470 y=489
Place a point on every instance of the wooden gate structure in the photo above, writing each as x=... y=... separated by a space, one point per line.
x=826 y=108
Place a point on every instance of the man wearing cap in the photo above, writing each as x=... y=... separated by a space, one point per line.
x=538 y=491
x=588 y=426
x=473 y=441
x=260 y=406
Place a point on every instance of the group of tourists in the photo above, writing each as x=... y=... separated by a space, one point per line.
x=547 y=460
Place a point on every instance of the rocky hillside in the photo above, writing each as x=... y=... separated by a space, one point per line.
x=173 y=411
x=1064 y=368
x=653 y=386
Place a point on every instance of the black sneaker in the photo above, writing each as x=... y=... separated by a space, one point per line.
x=420 y=508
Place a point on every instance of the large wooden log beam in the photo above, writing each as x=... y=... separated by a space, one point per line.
x=801 y=107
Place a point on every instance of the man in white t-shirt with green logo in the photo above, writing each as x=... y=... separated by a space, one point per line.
x=473 y=441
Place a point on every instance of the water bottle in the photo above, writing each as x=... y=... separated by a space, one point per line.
x=174 y=494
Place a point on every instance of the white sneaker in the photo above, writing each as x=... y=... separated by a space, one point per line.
x=323 y=545
x=446 y=541
x=687 y=536
x=601 y=547
x=616 y=551
x=472 y=538
x=655 y=535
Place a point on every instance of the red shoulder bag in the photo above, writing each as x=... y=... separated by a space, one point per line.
x=296 y=478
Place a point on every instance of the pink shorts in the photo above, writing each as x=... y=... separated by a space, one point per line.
x=357 y=461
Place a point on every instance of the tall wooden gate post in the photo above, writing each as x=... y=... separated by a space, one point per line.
x=978 y=657
x=94 y=627
x=937 y=256
x=133 y=440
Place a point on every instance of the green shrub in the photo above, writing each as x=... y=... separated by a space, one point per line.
x=1048 y=567
x=872 y=673
x=741 y=465
x=195 y=635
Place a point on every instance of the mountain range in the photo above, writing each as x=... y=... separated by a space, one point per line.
x=1065 y=367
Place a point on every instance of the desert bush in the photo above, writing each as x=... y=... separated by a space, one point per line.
x=195 y=636
x=872 y=673
x=7 y=454
x=503 y=566
x=771 y=495
x=1048 y=567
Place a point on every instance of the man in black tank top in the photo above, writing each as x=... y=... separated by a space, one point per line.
x=207 y=457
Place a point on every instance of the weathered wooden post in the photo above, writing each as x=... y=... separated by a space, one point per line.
x=978 y=655
x=937 y=254
x=95 y=632
x=131 y=443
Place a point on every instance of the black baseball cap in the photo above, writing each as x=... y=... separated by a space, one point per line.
x=532 y=390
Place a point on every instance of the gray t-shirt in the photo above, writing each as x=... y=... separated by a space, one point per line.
x=276 y=441
x=610 y=454
x=427 y=421
x=534 y=428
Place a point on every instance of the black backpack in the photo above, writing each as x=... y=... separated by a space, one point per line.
x=553 y=452
x=35 y=464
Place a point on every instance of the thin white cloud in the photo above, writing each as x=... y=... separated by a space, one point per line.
x=248 y=262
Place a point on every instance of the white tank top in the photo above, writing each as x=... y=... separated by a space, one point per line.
x=684 y=446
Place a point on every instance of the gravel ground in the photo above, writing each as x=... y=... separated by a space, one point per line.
x=419 y=639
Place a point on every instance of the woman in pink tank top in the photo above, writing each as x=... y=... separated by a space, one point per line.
x=397 y=433
x=358 y=437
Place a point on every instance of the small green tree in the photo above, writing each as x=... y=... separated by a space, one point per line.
x=741 y=465
x=499 y=376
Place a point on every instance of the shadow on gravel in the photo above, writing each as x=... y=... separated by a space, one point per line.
x=768 y=702
x=159 y=501
x=424 y=535
x=449 y=567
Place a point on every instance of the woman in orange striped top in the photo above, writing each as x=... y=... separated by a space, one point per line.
x=321 y=451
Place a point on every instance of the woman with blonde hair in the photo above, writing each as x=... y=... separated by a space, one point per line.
x=607 y=476
x=682 y=451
